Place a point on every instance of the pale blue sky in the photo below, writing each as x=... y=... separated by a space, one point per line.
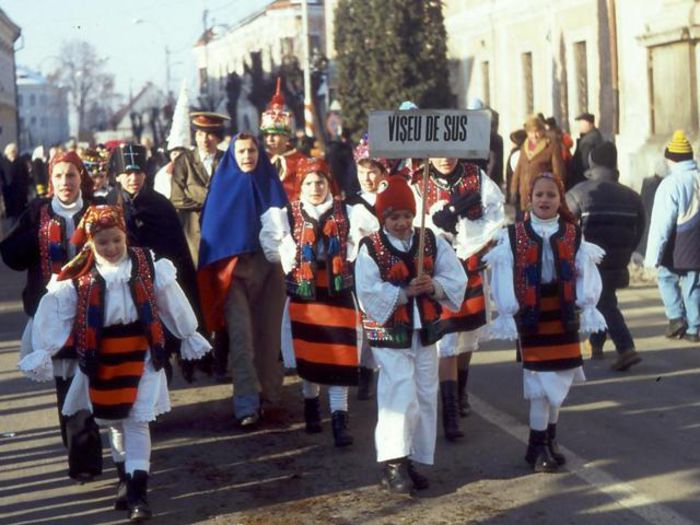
x=136 y=53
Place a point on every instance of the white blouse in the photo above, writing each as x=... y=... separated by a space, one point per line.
x=378 y=298
x=588 y=282
x=362 y=221
x=54 y=317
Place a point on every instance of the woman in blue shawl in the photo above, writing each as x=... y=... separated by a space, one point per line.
x=239 y=288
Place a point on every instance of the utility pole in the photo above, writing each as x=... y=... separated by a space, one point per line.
x=308 y=101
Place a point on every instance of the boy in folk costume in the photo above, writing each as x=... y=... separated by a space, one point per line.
x=115 y=301
x=39 y=244
x=466 y=208
x=363 y=221
x=402 y=307
x=310 y=237
x=544 y=279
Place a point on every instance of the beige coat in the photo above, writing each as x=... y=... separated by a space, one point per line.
x=547 y=157
x=190 y=185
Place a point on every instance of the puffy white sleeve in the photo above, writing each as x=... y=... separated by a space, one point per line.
x=176 y=313
x=589 y=286
x=51 y=329
x=378 y=298
x=450 y=276
x=362 y=223
x=500 y=261
x=473 y=235
x=276 y=238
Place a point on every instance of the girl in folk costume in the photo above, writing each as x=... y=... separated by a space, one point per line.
x=39 y=244
x=402 y=309
x=545 y=279
x=466 y=208
x=363 y=221
x=115 y=301
x=310 y=237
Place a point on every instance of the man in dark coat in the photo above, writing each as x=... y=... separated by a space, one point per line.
x=16 y=174
x=612 y=216
x=494 y=168
x=589 y=139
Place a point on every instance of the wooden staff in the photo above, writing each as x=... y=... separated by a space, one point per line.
x=421 y=232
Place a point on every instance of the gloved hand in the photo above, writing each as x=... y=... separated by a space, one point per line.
x=446 y=219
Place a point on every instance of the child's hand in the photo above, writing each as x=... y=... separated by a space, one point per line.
x=422 y=285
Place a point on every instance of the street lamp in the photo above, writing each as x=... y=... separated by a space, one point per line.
x=141 y=21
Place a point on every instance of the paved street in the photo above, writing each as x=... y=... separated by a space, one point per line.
x=631 y=440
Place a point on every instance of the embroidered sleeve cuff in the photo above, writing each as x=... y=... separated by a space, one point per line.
x=37 y=366
x=194 y=347
x=592 y=320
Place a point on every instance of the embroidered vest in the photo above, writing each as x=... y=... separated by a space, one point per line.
x=527 y=252
x=89 y=320
x=332 y=228
x=399 y=268
x=53 y=248
x=468 y=182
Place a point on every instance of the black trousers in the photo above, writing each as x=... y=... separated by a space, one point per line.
x=81 y=436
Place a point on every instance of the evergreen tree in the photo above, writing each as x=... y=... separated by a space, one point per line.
x=386 y=54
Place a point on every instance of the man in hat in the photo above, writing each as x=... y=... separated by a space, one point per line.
x=589 y=139
x=276 y=127
x=192 y=172
x=673 y=245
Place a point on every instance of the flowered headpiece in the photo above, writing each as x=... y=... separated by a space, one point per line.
x=361 y=152
x=275 y=120
x=95 y=161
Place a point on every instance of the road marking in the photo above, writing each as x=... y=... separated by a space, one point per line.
x=623 y=493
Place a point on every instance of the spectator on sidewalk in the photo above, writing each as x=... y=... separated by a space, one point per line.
x=673 y=245
x=590 y=137
x=612 y=216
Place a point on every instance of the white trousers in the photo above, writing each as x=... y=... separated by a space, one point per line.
x=130 y=442
x=407 y=391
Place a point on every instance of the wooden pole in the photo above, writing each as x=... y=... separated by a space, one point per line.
x=421 y=232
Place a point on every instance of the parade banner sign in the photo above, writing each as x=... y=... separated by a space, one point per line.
x=424 y=133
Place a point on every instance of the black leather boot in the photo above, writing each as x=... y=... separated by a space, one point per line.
x=366 y=382
x=342 y=438
x=450 y=410
x=396 y=478
x=538 y=455
x=136 y=496
x=464 y=408
x=312 y=415
x=120 y=500
x=553 y=445
x=420 y=482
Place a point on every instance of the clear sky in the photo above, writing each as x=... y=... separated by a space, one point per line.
x=135 y=53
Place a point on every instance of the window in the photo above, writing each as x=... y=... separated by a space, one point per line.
x=528 y=84
x=486 y=83
x=42 y=100
x=32 y=121
x=581 y=65
x=32 y=99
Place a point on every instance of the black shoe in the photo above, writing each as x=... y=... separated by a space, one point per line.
x=625 y=360
x=420 y=482
x=553 y=445
x=693 y=338
x=366 y=382
x=676 y=328
x=120 y=501
x=396 y=478
x=538 y=455
x=339 y=420
x=450 y=410
x=464 y=407
x=312 y=415
x=136 y=496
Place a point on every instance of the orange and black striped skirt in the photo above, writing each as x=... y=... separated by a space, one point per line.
x=472 y=314
x=551 y=347
x=120 y=365
x=324 y=335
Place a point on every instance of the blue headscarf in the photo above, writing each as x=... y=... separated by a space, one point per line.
x=235 y=202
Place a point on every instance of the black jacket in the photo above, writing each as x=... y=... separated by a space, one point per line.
x=580 y=162
x=612 y=216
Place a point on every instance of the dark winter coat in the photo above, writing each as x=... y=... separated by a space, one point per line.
x=580 y=162
x=649 y=187
x=16 y=192
x=612 y=216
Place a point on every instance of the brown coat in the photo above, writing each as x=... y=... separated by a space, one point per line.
x=189 y=190
x=547 y=159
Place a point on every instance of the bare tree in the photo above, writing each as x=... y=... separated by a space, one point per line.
x=82 y=73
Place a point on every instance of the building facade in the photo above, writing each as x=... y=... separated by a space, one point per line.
x=9 y=33
x=632 y=64
x=43 y=111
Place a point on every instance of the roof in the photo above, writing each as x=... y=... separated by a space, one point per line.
x=126 y=108
x=6 y=19
x=29 y=77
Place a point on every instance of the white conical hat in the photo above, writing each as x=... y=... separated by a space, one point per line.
x=180 y=134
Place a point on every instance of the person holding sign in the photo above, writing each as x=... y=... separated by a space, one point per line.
x=402 y=301
x=310 y=237
x=544 y=280
x=466 y=208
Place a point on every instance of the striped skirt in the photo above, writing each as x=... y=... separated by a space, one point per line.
x=472 y=314
x=121 y=356
x=550 y=347
x=324 y=336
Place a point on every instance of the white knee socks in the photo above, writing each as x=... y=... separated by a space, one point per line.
x=337 y=395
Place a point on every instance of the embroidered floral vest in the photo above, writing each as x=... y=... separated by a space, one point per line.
x=89 y=319
x=53 y=245
x=527 y=252
x=399 y=268
x=332 y=229
x=468 y=182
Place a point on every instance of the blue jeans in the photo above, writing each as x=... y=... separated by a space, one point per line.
x=680 y=293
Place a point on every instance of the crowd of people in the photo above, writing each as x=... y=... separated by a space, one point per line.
x=267 y=256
